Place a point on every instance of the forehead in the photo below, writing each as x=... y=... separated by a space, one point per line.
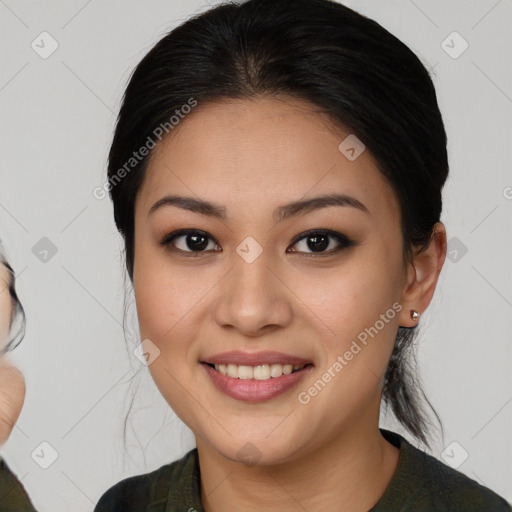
x=261 y=151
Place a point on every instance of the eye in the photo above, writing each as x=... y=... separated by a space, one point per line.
x=193 y=242
x=190 y=242
x=318 y=241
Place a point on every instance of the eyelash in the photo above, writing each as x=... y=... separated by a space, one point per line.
x=343 y=240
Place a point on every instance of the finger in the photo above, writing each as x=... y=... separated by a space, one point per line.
x=12 y=396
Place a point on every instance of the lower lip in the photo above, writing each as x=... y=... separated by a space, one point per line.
x=252 y=390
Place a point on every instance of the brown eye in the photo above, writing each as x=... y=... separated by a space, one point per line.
x=322 y=242
x=189 y=241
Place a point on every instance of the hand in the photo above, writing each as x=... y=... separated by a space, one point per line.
x=12 y=383
x=12 y=396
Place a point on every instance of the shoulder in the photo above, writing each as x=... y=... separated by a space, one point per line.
x=430 y=484
x=13 y=497
x=136 y=493
x=457 y=491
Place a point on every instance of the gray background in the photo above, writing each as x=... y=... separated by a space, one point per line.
x=58 y=116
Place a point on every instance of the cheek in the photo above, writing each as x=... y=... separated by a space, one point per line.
x=157 y=305
x=163 y=301
x=350 y=297
x=5 y=316
x=163 y=295
x=359 y=304
x=168 y=307
x=171 y=304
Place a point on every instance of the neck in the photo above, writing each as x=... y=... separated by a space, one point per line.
x=353 y=469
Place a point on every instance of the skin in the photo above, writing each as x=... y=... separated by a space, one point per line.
x=5 y=305
x=12 y=383
x=251 y=156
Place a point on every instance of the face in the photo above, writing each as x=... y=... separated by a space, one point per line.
x=245 y=285
x=5 y=306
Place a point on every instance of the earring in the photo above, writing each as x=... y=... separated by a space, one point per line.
x=414 y=314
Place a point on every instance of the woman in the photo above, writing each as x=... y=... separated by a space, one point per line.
x=13 y=497
x=276 y=173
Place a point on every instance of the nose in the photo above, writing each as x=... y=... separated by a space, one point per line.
x=253 y=298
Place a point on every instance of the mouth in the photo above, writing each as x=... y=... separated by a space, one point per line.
x=253 y=377
x=261 y=372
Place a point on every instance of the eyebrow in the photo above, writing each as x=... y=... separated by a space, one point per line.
x=280 y=214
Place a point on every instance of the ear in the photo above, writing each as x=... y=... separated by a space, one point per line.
x=422 y=276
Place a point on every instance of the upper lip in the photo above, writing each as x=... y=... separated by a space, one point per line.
x=254 y=358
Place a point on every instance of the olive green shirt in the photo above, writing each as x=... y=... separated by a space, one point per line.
x=13 y=497
x=421 y=483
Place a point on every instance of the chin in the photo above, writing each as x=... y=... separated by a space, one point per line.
x=253 y=450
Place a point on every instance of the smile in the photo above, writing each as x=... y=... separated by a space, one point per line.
x=258 y=383
x=259 y=372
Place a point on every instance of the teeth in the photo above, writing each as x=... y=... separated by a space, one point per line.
x=260 y=372
x=245 y=372
x=232 y=370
